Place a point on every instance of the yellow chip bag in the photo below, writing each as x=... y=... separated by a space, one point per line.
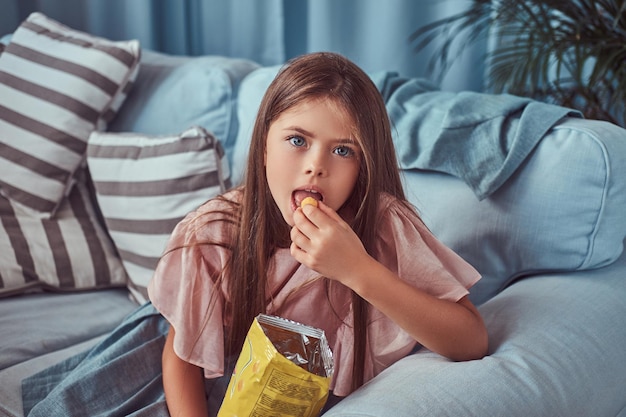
x=284 y=369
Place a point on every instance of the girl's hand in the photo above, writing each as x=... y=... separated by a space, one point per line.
x=322 y=241
x=325 y=243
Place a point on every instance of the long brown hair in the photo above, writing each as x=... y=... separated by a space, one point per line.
x=261 y=228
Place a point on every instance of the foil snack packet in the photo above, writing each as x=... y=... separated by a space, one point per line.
x=284 y=369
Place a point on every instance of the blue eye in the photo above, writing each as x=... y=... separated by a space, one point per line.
x=344 y=151
x=297 y=141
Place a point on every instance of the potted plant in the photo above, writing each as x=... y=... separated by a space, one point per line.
x=568 y=52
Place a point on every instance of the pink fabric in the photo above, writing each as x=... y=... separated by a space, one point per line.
x=183 y=285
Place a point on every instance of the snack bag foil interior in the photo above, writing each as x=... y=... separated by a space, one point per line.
x=284 y=369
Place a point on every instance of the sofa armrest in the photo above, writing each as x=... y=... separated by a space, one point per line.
x=562 y=209
x=557 y=348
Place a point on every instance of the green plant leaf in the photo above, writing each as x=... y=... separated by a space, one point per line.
x=571 y=52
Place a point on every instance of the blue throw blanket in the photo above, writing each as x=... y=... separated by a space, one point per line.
x=121 y=376
x=477 y=137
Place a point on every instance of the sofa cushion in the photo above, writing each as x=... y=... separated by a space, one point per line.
x=33 y=325
x=68 y=252
x=146 y=184
x=562 y=210
x=56 y=86
x=173 y=93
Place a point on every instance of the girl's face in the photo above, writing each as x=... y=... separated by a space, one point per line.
x=311 y=152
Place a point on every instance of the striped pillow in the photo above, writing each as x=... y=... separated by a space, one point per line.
x=69 y=252
x=57 y=85
x=146 y=184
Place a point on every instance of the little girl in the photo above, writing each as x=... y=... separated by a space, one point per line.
x=361 y=265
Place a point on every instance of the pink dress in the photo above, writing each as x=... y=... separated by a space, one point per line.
x=182 y=290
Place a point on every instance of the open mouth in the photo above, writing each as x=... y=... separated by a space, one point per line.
x=300 y=195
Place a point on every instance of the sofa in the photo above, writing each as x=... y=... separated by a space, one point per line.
x=530 y=194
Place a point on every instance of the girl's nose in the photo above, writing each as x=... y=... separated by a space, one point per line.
x=316 y=165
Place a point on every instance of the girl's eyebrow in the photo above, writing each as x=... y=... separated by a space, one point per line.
x=299 y=130
x=305 y=132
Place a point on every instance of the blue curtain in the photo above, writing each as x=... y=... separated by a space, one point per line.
x=373 y=33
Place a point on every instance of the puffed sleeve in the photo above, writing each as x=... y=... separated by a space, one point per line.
x=407 y=247
x=184 y=290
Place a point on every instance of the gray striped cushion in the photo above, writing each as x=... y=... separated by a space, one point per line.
x=57 y=85
x=69 y=252
x=146 y=184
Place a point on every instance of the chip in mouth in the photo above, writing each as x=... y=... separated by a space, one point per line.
x=308 y=201
x=300 y=196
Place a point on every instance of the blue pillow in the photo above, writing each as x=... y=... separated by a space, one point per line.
x=174 y=93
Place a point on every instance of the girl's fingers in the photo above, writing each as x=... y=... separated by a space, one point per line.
x=321 y=216
x=329 y=212
x=300 y=239
x=304 y=222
